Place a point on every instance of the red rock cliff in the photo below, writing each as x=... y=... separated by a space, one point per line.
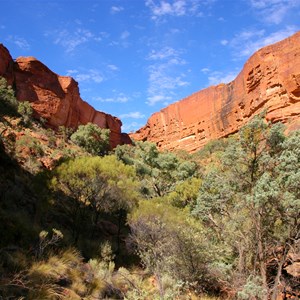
x=53 y=97
x=270 y=80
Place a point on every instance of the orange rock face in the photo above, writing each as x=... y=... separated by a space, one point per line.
x=54 y=98
x=6 y=64
x=270 y=80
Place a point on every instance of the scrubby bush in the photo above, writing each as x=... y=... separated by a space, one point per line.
x=92 y=138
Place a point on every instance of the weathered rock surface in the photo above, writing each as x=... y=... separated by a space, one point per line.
x=54 y=98
x=270 y=80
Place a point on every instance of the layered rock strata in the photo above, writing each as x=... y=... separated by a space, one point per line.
x=269 y=81
x=54 y=98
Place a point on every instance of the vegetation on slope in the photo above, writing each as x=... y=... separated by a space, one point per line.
x=78 y=222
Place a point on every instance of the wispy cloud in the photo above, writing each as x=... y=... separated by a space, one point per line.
x=273 y=11
x=165 y=76
x=70 y=40
x=175 y=8
x=133 y=115
x=224 y=42
x=131 y=127
x=112 y=67
x=125 y=35
x=116 y=9
x=166 y=53
x=90 y=75
x=119 y=98
x=247 y=42
x=205 y=70
x=123 y=40
x=18 y=41
x=217 y=77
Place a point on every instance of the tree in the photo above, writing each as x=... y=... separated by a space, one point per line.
x=246 y=198
x=8 y=101
x=26 y=111
x=91 y=185
x=92 y=138
x=171 y=243
x=185 y=193
x=159 y=171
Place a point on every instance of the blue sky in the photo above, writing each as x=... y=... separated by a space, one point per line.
x=131 y=58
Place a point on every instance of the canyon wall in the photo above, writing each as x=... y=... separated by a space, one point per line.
x=54 y=98
x=269 y=81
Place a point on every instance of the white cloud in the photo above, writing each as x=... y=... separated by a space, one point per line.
x=70 y=40
x=164 y=75
x=116 y=9
x=205 y=70
x=224 y=42
x=125 y=35
x=273 y=11
x=166 y=53
x=247 y=42
x=113 y=67
x=163 y=83
x=175 y=8
x=18 y=41
x=133 y=115
x=91 y=75
x=152 y=100
x=218 y=77
x=123 y=40
x=131 y=127
x=120 y=98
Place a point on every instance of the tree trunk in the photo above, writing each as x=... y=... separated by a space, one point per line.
x=241 y=265
x=261 y=253
x=279 y=272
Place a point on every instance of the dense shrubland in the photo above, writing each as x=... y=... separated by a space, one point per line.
x=78 y=222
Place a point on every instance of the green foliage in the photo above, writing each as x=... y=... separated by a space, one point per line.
x=253 y=289
x=246 y=205
x=171 y=244
x=31 y=144
x=185 y=193
x=26 y=111
x=88 y=186
x=8 y=101
x=159 y=172
x=211 y=147
x=92 y=138
x=104 y=183
x=247 y=198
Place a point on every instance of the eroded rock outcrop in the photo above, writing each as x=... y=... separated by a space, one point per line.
x=54 y=98
x=270 y=80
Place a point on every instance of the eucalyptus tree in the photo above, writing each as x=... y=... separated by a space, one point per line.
x=91 y=185
x=92 y=138
x=250 y=202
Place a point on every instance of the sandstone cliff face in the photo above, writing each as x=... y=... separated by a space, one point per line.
x=270 y=80
x=53 y=97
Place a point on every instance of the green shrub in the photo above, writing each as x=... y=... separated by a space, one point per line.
x=8 y=101
x=26 y=111
x=92 y=138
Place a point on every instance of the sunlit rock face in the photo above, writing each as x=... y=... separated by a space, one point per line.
x=269 y=81
x=54 y=98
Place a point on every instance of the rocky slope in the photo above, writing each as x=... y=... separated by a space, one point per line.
x=270 y=80
x=54 y=98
